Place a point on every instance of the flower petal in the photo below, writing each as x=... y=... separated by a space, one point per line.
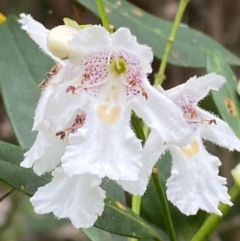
x=194 y=183
x=52 y=157
x=37 y=32
x=45 y=153
x=37 y=151
x=195 y=88
x=86 y=41
x=54 y=89
x=104 y=149
x=163 y=116
x=78 y=198
x=219 y=132
x=63 y=107
x=122 y=39
x=152 y=150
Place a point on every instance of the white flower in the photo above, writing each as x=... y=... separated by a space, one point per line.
x=83 y=116
x=194 y=183
x=109 y=79
x=113 y=79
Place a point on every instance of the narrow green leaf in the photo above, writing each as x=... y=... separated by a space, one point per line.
x=155 y=31
x=121 y=220
x=116 y=218
x=22 y=67
x=226 y=99
x=24 y=180
x=96 y=234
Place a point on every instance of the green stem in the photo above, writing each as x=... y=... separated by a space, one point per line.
x=103 y=15
x=136 y=205
x=166 y=212
x=160 y=77
x=213 y=220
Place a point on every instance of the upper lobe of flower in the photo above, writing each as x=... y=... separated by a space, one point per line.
x=202 y=123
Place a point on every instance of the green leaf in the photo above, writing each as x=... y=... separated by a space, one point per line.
x=116 y=218
x=121 y=220
x=189 y=48
x=96 y=234
x=22 y=67
x=226 y=99
x=11 y=173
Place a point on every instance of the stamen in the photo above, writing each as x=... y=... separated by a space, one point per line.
x=72 y=89
x=85 y=85
x=144 y=93
x=78 y=122
x=43 y=84
x=117 y=62
x=62 y=134
x=202 y=121
x=53 y=71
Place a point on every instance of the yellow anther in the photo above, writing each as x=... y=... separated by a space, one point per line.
x=2 y=18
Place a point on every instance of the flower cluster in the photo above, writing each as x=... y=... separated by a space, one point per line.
x=84 y=130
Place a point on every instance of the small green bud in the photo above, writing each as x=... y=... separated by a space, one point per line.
x=72 y=23
x=238 y=87
x=236 y=174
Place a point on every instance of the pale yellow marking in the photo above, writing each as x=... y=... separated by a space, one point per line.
x=120 y=205
x=137 y=12
x=192 y=149
x=113 y=87
x=230 y=106
x=109 y=115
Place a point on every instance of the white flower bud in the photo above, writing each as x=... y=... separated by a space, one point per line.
x=58 y=39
